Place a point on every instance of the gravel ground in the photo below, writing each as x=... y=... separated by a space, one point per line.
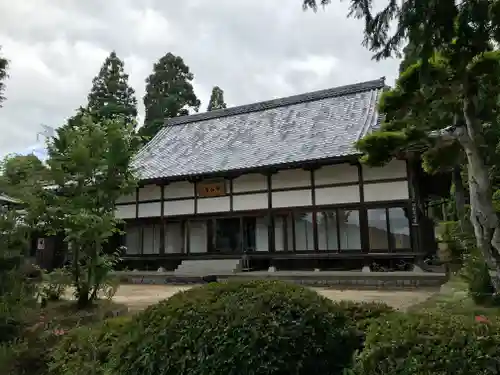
x=138 y=297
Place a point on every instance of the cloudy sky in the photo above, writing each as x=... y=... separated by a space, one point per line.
x=254 y=50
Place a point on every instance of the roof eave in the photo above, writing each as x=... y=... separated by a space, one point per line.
x=352 y=158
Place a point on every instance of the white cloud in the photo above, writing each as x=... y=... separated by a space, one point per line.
x=252 y=50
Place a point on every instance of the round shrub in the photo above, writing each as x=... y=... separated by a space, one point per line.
x=258 y=327
x=86 y=350
x=362 y=314
x=423 y=344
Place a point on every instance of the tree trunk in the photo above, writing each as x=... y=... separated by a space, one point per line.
x=483 y=216
x=459 y=196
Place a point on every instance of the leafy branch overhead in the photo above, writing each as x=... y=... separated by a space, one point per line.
x=446 y=96
x=3 y=75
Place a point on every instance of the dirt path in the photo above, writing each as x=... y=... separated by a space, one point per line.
x=138 y=297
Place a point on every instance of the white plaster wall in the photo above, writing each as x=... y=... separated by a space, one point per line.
x=291 y=178
x=337 y=195
x=218 y=204
x=129 y=198
x=181 y=189
x=125 y=212
x=336 y=174
x=386 y=191
x=198 y=237
x=393 y=169
x=173 y=238
x=149 y=192
x=292 y=198
x=249 y=182
x=261 y=234
x=181 y=207
x=150 y=209
x=254 y=201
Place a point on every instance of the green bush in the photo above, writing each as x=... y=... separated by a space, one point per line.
x=258 y=327
x=29 y=356
x=426 y=344
x=16 y=294
x=86 y=350
x=476 y=274
x=54 y=284
x=363 y=313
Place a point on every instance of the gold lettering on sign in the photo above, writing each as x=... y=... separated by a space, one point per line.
x=211 y=188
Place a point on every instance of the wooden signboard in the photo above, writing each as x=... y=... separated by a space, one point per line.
x=214 y=188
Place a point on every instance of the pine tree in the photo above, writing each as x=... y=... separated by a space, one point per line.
x=216 y=99
x=111 y=96
x=169 y=93
x=3 y=74
x=449 y=95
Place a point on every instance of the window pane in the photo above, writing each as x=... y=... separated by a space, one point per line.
x=283 y=232
x=151 y=240
x=304 y=232
x=327 y=230
x=249 y=224
x=132 y=239
x=399 y=224
x=173 y=238
x=377 y=229
x=261 y=234
x=279 y=233
x=349 y=230
x=227 y=235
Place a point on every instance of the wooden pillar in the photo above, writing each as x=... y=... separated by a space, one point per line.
x=162 y=220
x=414 y=194
x=363 y=212
x=270 y=222
x=314 y=217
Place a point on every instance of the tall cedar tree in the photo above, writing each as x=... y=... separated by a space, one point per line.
x=111 y=96
x=3 y=74
x=216 y=99
x=169 y=93
x=449 y=98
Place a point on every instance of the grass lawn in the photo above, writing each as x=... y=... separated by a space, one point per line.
x=453 y=299
x=64 y=314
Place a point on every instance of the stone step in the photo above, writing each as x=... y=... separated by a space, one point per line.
x=207 y=267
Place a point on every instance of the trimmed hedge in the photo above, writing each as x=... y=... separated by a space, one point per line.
x=362 y=314
x=257 y=327
x=422 y=344
x=86 y=350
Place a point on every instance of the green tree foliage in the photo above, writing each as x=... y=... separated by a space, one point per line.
x=451 y=93
x=169 y=93
x=15 y=292
x=89 y=164
x=216 y=99
x=20 y=171
x=3 y=74
x=111 y=96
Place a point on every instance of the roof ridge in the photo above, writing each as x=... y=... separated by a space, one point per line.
x=280 y=102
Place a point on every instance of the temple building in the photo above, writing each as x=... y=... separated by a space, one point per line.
x=276 y=184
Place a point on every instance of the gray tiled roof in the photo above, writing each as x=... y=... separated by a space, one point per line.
x=312 y=126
